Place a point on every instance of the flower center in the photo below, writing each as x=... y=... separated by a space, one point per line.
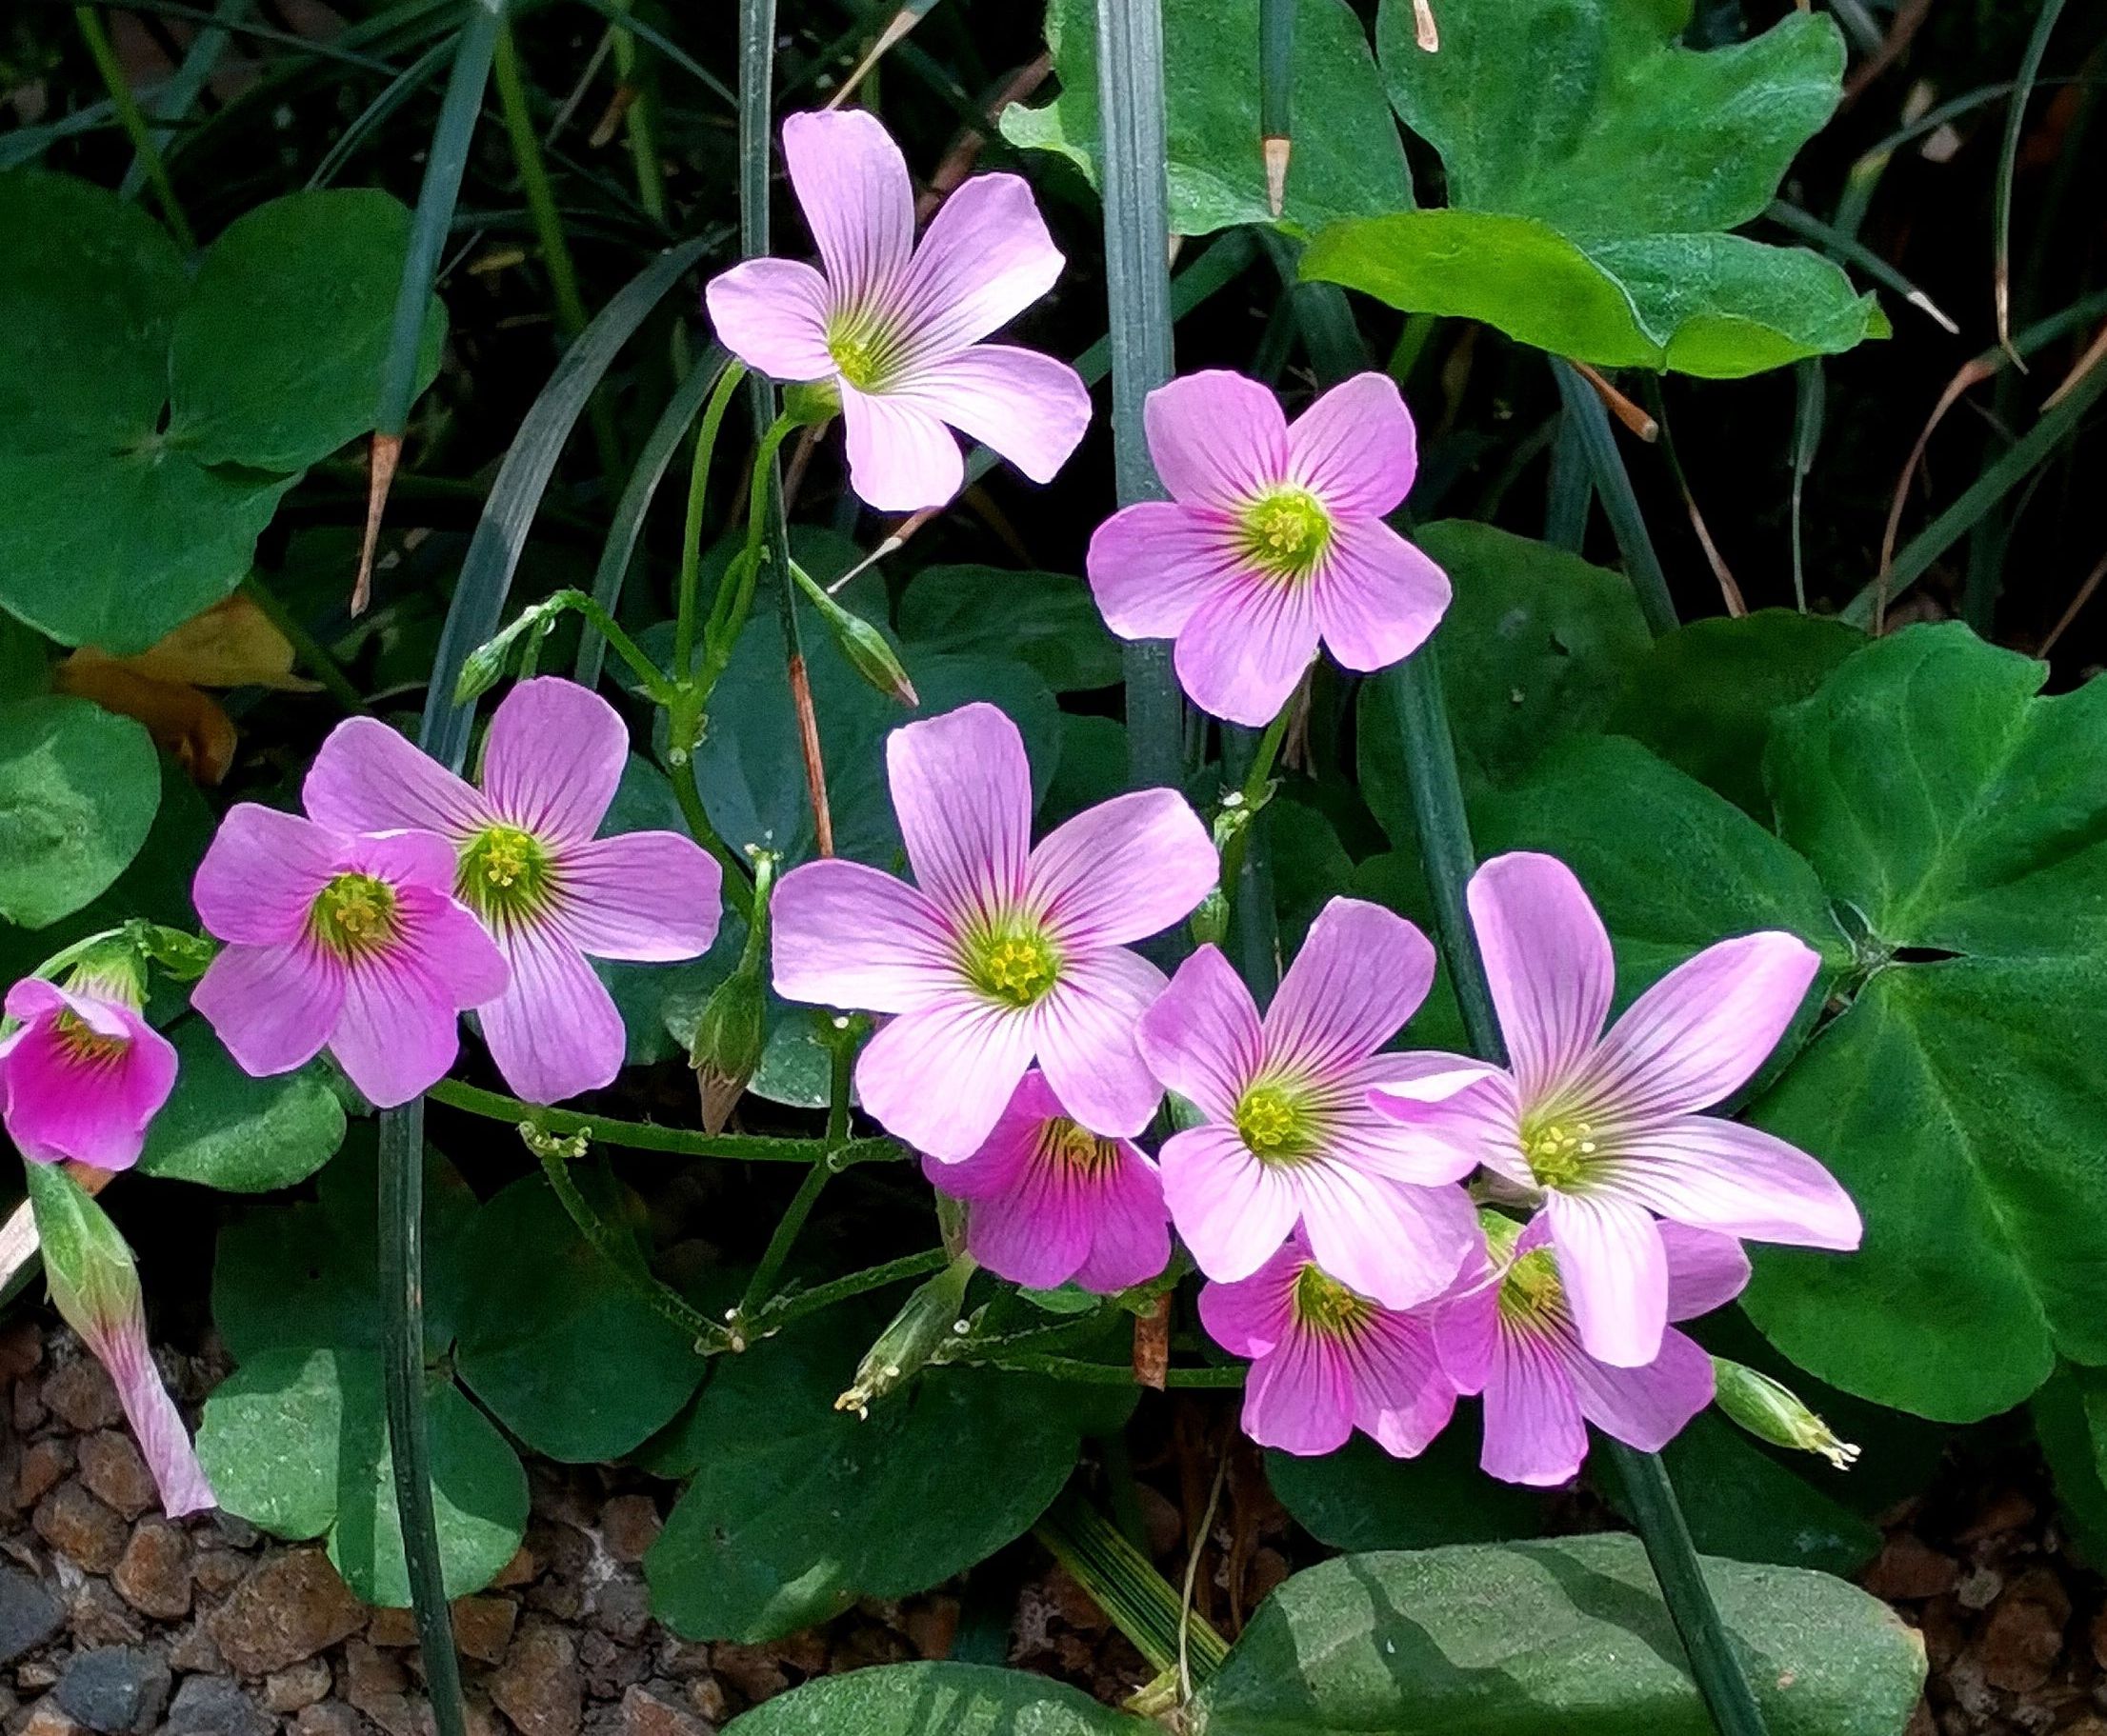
x=1529 y=1290
x=504 y=875
x=354 y=916
x=1558 y=1150
x=1018 y=966
x=1072 y=1145
x=864 y=352
x=85 y=1044
x=1285 y=533
x=1324 y=1305
x=1276 y=1124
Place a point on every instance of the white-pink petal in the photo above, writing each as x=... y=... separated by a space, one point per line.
x=1739 y=1180
x=852 y=184
x=1399 y=1244
x=1614 y=1273
x=261 y=873
x=773 y=313
x=1231 y=1209
x=1378 y=598
x=986 y=256
x=1242 y=651
x=1201 y=1038
x=1361 y=973
x=1354 y=448
x=1123 y=871
x=272 y=1006
x=939 y=1077
x=1705 y=1270
x=1645 y=1408
x=1548 y=964
x=1151 y=565
x=1084 y=1034
x=651 y=896
x=1216 y=438
x=962 y=792
x=556 y=1031
x=1029 y=407
x=901 y=456
x=369 y=778
x=848 y=935
x=1533 y=1432
x=553 y=758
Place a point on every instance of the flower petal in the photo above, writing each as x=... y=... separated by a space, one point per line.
x=57 y=1104
x=1300 y=1399
x=852 y=184
x=1534 y=1434
x=1242 y=651
x=1645 y=1408
x=848 y=935
x=1232 y=1211
x=962 y=792
x=939 y=1077
x=1382 y=1144
x=1614 y=1272
x=771 y=314
x=1547 y=961
x=901 y=458
x=1201 y=1037
x=35 y=995
x=164 y=1442
x=1151 y=565
x=1361 y=973
x=652 y=896
x=1704 y=1028
x=1466 y=1332
x=261 y=873
x=1037 y=1233
x=1705 y=1270
x=986 y=256
x=999 y=1163
x=1378 y=598
x=553 y=758
x=1084 y=1032
x=369 y=778
x=1028 y=407
x=1130 y=1232
x=554 y=1031
x=1401 y=1398
x=1400 y=1245
x=1252 y=1315
x=1217 y=437
x=1478 y=1124
x=399 y=1028
x=1722 y=1175
x=1123 y=871
x=272 y=1006
x=1354 y=448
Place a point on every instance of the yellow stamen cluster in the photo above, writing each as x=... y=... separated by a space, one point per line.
x=504 y=875
x=354 y=916
x=1017 y=967
x=1074 y=1146
x=1559 y=1151
x=84 y=1044
x=1325 y=1305
x=1531 y=1289
x=864 y=351
x=1274 y=1122
x=1285 y=533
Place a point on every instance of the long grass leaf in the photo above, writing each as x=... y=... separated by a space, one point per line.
x=1276 y=95
x=172 y=100
x=2008 y=165
x=1613 y=486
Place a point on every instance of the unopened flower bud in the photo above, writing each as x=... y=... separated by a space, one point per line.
x=727 y=1045
x=862 y=643
x=1773 y=1412
x=812 y=403
x=1210 y=922
x=917 y=1332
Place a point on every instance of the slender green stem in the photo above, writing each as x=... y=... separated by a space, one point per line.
x=840 y=1079
x=698 y=501
x=1111 y=1374
x=779 y=1245
x=127 y=106
x=688 y=793
x=650 y=1136
x=2008 y=162
x=314 y=655
x=1449 y=858
x=784 y=1309
x=1613 y=483
x=1247 y=868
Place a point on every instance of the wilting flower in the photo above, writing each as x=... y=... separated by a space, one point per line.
x=1290 y=1137
x=1604 y=1127
x=1272 y=539
x=354 y=944
x=551 y=893
x=82 y=1074
x=895 y=328
x=1051 y=1199
x=1510 y=1334
x=999 y=952
x=1326 y=1361
x=96 y=1287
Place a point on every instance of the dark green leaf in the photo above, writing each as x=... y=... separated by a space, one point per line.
x=226 y=1129
x=935 y=1699
x=1362 y=1498
x=78 y=789
x=1047 y=619
x=2069 y=1422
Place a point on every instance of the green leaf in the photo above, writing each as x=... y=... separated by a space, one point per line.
x=1348 y=158
x=1702 y=697
x=554 y=1340
x=275 y=360
x=78 y=789
x=268 y=1442
x=935 y=1699
x=1362 y=1498
x=1532 y=649
x=1047 y=619
x=2069 y=1422
x=1960 y=1096
x=1552 y=1639
x=800 y=1509
x=223 y=1128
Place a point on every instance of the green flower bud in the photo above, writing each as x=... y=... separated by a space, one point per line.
x=919 y=1330
x=729 y=1038
x=1209 y=923
x=1773 y=1412
x=862 y=643
x=811 y=403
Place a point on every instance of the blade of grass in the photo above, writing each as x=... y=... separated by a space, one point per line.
x=104 y=53
x=1133 y=178
x=1810 y=400
x=1124 y=1583
x=1276 y=95
x=894 y=32
x=2008 y=164
x=618 y=15
x=398 y=91
x=1613 y=486
x=1570 y=490
x=173 y=101
x=1848 y=249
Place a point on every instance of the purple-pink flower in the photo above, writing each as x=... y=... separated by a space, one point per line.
x=352 y=944
x=552 y=894
x=82 y=1074
x=1510 y=1334
x=1326 y=1360
x=1604 y=1127
x=1290 y=1136
x=1273 y=539
x=1049 y=1201
x=999 y=952
x=897 y=329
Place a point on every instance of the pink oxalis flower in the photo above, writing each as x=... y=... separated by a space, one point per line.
x=1049 y=1201
x=897 y=329
x=352 y=944
x=999 y=952
x=1604 y=1127
x=552 y=894
x=1290 y=1136
x=1510 y=1336
x=1326 y=1360
x=82 y=1074
x=1273 y=539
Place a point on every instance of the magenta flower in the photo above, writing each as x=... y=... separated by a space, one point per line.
x=82 y=1074
x=351 y=944
x=895 y=328
x=1326 y=1361
x=1273 y=539
x=1290 y=1137
x=552 y=894
x=1605 y=1127
x=999 y=952
x=1052 y=1200
x=1510 y=1336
